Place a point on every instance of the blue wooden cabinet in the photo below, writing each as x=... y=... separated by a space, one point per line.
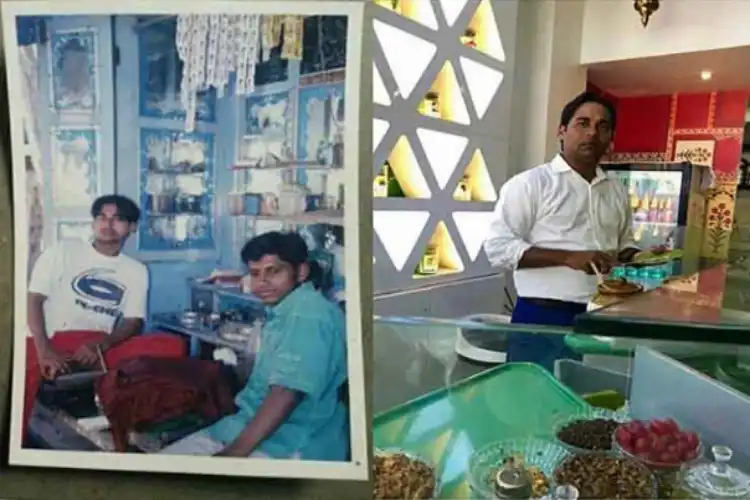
x=76 y=121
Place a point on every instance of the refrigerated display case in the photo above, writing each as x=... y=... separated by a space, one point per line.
x=667 y=200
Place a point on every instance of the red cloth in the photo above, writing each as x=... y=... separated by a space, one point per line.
x=153 y=390
x=152 y=344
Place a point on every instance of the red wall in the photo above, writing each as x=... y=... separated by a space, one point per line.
x=649 y=126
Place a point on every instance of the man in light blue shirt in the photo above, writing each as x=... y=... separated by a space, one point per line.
x=290 y=406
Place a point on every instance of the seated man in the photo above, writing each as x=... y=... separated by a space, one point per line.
x=86 y=299
x=290 y=406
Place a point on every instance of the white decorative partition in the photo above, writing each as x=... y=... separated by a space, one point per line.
x=441 y=89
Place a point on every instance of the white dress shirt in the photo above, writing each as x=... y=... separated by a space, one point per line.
x=551 y=206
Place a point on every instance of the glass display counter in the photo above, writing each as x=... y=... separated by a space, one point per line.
x=433 y=404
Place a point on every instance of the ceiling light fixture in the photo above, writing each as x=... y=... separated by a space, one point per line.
x=706 y=75
x=645 y=8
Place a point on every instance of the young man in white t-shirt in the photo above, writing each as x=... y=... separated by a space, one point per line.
x=91 y=291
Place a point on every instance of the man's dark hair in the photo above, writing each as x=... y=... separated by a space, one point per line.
x=572 y=106
x=127 y=209
x=289 y=247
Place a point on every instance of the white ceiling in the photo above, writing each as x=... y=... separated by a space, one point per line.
x=674 y=73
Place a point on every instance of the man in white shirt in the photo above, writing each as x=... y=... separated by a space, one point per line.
x=89 y=296
x=559 y=223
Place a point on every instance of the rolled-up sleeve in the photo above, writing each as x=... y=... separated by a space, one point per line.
x=515 y=212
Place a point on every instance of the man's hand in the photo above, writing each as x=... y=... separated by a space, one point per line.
x=51 y=362
x=87 y=355
x=584 y=261
x=229 y=451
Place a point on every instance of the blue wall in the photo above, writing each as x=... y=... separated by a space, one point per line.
x=119 y=123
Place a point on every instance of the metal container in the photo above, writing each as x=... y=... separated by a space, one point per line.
x=513 y=481
x=190 y=318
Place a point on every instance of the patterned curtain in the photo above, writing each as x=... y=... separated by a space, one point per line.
x=214 y=46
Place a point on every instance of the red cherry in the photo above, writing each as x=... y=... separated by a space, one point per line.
x=658 y=444
x=637 y=428
x=624 y=437
x=669 y=458
x=657 y=427
x=671 y=425
x=642 y=444
x=691 y=438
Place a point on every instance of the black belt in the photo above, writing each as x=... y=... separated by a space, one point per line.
x=552 y=303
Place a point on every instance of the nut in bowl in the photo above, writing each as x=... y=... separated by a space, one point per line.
x=588 y=432
x=601 y=475
x=398 y=474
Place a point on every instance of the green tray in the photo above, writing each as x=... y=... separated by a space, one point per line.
x=514 y=400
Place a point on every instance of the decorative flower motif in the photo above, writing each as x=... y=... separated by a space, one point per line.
x=695 y=155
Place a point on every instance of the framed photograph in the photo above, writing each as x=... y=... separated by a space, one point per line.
x=73 y=63
x=268 y=130
x=129 y=362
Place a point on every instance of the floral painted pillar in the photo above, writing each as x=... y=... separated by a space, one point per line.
x=720 y=216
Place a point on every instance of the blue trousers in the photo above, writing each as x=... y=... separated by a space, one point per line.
x=538 y=348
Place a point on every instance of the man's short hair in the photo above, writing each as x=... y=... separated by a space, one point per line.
x=569 y=110
x=289 y=247
x=127 y=209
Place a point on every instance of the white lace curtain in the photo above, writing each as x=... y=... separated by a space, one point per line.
x=214 y=46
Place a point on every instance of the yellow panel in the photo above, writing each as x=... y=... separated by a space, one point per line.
x=450 y=103
x=445 y=258
x=476 y=181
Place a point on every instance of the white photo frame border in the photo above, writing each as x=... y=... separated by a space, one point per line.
x=357 y=213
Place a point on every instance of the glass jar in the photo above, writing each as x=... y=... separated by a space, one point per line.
x=716 y=479
x=513 y=480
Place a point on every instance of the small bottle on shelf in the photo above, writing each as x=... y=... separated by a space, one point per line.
x=463 y=191
x=431 y=105
x=430 y=262
x=469 y=38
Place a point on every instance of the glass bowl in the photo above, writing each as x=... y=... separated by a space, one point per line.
x=536 y=452
x=385 y=452
x=590 y=414
x=643 y=468
x=668 y=475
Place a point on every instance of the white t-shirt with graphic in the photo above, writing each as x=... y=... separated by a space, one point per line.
x=87 y=290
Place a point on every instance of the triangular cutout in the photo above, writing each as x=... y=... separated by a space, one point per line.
x=407 y=66
x=483 y=33
x=379 y=93
x=473 y=228
x=452 y=9
x=443 y=151
x=445 y=100
x=419 y=11
x=441 y=256
x=398 y=231
x=482 y=82
x=476 y=183
x=379 y=128
x=400 y=176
